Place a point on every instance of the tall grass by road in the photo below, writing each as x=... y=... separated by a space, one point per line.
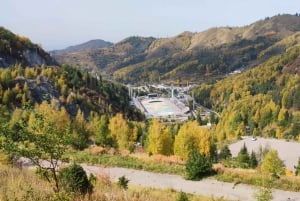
x=23 y=185
x=127 y=161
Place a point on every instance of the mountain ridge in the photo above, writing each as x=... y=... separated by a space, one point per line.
x=214 y=52
x=89 y=45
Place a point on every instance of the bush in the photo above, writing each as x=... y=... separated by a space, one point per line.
x=182 y=197
x=198 y=166
x=74 y=179
x=123 y=182
x=263 y=194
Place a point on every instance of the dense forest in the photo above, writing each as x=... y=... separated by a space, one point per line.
x=67 y=86
x=263 y=101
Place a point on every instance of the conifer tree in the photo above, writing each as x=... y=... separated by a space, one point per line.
x=298 y=168
x=225 y=152
x=243 y=157
x=253 y=161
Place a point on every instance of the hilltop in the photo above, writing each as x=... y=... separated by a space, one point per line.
x=19 y=49
x=187 y=56
x=90 y=45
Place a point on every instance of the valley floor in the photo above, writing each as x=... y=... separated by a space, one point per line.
x=206 y=187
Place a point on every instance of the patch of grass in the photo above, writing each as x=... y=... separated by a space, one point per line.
x=256 y=178
x=118 y=160
x=22 y=185
x=165 y=195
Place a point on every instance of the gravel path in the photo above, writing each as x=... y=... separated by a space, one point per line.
x=206 y=187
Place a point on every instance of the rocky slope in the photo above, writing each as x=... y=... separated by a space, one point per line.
x=18 y=49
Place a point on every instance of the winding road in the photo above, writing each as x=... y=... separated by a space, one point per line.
x=207 y=187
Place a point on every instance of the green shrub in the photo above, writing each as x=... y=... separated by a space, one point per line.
x=263 y=194
x=123 y=182
x=74 y=179
x=182 y=197
x=198 y=166
x=60 y=196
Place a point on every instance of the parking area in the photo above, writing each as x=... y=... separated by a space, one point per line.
x=289 y=152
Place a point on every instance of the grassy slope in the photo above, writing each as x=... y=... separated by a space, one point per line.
x=24 y=185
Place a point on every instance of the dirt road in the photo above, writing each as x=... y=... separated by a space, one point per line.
x=206 y=187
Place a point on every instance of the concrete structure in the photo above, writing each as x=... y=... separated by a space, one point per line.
x=163 y=108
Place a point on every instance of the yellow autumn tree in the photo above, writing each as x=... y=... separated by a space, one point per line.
x=273 y=164
x=123 y=133
x=51 y=115
x=191 y=137
x=80 y=132
x=159 y=139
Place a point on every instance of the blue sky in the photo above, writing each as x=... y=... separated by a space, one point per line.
x=57 y=24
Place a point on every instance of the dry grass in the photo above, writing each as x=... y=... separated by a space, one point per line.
x=23 y=185
x=139 y=161
x=159 y=158
x=255 y=177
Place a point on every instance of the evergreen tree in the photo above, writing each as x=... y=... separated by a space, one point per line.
x=298 y=168
x=74 y=179
x=243 y=157
x=253 y=161
x=225 y=152
x=198 y=166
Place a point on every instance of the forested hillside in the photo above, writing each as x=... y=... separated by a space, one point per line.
x=67 y=86
x=19 y=49
x=188 y=56
x=66 y=97
x=263 y=101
